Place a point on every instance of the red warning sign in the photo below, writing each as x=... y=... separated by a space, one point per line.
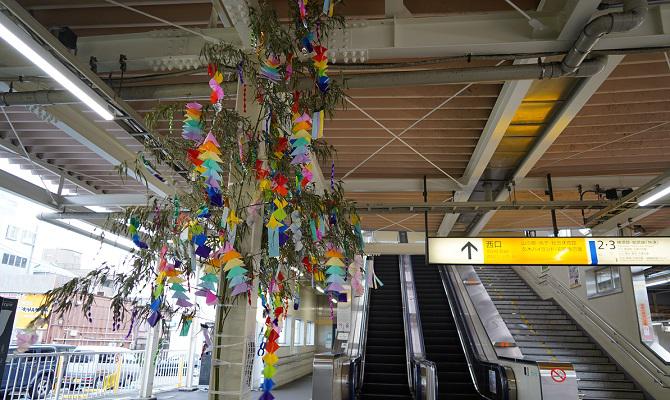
x=558 y=375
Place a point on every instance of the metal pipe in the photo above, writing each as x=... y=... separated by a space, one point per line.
x=371 y=80
x=632 y=16
x=83 y=232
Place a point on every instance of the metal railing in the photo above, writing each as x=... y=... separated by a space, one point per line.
x=421 y=373
x=657 y=374
x=88 y=375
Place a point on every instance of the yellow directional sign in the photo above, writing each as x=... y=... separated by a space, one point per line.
x=550 y=251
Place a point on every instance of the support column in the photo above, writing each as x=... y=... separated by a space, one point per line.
x=149 y=367
x=236 y=321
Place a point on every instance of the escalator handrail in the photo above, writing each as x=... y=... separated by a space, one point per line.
x=414 y=346
x=474 y=359
x=357 y=355
x=613 y=335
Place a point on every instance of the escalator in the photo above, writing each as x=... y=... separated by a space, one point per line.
x=440 y=335
x=385 y=372
x=544 y=332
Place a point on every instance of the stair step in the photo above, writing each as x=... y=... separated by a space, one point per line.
x=611 y=394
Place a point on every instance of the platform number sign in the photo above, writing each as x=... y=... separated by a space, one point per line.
x=550 y=251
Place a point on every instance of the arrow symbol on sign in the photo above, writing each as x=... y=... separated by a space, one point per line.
x=470 y=247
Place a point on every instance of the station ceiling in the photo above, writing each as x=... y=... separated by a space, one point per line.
x=470 y=140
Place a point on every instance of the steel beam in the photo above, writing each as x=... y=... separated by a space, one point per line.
x=86 y=132
x=416 y=208
x=580 y=95
x=509 y=100
x=28 y=191
x=386 y=185
x=390 y=38
x=9 y=146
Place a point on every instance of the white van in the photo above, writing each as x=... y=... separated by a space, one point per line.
x=102 y=367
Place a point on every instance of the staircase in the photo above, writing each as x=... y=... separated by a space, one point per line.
x=385 y=373
x=439 y=334
x=544 y=332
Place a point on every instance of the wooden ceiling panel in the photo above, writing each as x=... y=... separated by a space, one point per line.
x=623 y=129
x=403 y=222
x=655 y=223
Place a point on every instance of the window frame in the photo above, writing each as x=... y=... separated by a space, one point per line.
x=15 y=233
x=298 y=332
x=309 y=333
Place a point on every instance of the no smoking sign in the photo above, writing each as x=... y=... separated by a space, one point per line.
x=558 y=375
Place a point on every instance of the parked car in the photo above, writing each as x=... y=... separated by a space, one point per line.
x=101 y=367
x=32 y=373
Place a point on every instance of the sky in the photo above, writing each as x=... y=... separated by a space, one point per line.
x=23 y=213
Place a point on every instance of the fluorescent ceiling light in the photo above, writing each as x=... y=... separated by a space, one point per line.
x=658 y=282
x=21 y=42
x=654 y=197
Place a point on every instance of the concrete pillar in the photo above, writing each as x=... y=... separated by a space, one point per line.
x=236 y=321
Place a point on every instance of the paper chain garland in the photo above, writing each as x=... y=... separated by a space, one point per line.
x=321 y=66
x=192 y=128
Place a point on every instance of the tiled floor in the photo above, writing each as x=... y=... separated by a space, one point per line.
x=300 y=389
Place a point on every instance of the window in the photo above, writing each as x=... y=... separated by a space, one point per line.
x=17 y=261
x=285 y=336
x=603 y=281
x=5 y=258
x=24 y=261
x=298 y=333
x=27 y=237
x=12 y=232
x=12 y=258
x=309 y=334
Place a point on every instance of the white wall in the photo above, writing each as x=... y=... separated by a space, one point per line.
x=617 y=309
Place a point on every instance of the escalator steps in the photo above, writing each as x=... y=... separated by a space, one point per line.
x=440 y=336
x=385 y=362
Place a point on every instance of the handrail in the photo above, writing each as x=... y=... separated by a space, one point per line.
x=577 y=302
x=478 y=367
x=421 y=373
x=356 y=362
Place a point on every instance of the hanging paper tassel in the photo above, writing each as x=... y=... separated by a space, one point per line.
x=192 y=128
x=133 y=229
x=273 y=236
x=328 y=6
x=270 y=69
x=317 y=125
x=217 y=95
x=356 y=274
x=296 y=231
x=321 y=66
x=210 y=168
x=335 y=272
x=356 y=221
x=236 y=274
x=303 y=12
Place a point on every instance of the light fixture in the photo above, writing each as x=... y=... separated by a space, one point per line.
x=658 y=282
x=654 y=197
x=39 y=56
